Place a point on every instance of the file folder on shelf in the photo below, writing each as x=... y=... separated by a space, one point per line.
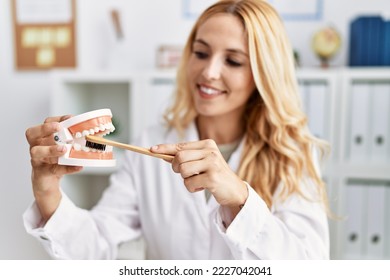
x=303 y=95
x=366 y=41
x=317 y=108
x=380 y=122
x=386 y=44
x=387 y=223
x=376 y=207
x=356 y=218
x=359 y=122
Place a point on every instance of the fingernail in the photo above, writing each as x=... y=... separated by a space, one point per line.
x=154 y=148
x=61 y=148
x=56 y=126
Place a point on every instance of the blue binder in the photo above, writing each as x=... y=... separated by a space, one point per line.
x=386 y=44
x=375 y=41
x=366 y=41
x=356 y=42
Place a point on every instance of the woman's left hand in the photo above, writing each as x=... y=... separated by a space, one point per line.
x=202 y=166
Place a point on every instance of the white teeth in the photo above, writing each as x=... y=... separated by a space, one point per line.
x=209 y=91
x=100 y=130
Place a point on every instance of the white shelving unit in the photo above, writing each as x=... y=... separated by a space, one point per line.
x=364 y=161
x=138 y=99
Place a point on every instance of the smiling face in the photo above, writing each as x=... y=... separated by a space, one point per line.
x=219 y=70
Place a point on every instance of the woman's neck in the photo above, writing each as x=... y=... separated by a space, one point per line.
x=221 y=130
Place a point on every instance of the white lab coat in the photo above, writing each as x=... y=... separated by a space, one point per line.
x=146 y=198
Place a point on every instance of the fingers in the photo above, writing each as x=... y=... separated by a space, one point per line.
x=195 y=183
x=172 y=149
x=46 y=154
x=61 y=170
x=187 y=156
x=36 y=134
x=43 y=132
x=189 y=169
x=57 y=118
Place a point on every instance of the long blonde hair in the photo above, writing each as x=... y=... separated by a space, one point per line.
x=278 y=146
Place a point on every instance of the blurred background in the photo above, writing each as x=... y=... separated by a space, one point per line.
x=64 y=56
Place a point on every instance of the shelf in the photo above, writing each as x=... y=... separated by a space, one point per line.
x=380 y=172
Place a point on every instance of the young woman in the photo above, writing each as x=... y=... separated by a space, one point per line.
x=244 y=182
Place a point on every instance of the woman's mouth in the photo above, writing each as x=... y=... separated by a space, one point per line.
x=209 y=92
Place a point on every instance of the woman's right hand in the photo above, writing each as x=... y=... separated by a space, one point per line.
x=46 y=173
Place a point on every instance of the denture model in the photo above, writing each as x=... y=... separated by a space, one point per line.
x=72 y=135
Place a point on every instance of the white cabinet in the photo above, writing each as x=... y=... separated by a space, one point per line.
x=364 y=161
x=347 y=107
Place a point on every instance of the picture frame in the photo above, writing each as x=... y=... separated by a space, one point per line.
x=299 y=10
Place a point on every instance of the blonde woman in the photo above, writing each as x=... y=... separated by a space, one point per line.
x=243 y=184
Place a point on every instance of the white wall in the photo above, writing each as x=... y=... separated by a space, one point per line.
x=26 y=94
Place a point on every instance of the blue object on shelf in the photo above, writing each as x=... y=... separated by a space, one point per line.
x=386 y=44
x=366 y=45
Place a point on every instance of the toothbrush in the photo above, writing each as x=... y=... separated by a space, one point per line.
x=100 y=143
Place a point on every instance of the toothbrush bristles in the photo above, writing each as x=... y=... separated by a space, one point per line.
x=96 y=146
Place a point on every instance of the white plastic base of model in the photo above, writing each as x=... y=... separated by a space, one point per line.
x=87 y=162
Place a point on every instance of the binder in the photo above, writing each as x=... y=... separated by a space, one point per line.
x=376 y=207
x=359 y=122
x=386 y=44
x=375 y=40
x=356 y=42
x=303 y=95
x=354 y=227
x=317 y=93
x=380 y=122
x=387 y=223
x=366 y=41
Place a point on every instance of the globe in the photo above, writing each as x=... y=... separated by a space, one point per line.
x=326 y=43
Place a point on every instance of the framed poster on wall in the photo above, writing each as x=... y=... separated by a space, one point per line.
x=193 y=8
x=298 y=10
x=44 y=34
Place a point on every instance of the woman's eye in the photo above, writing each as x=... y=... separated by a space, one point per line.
x=233 y=63
x=200 y=55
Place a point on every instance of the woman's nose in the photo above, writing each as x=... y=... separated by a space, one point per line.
x=212 y=70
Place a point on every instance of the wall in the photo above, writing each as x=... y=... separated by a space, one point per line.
x=25 y=95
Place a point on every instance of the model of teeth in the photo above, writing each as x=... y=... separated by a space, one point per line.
x=73 y=132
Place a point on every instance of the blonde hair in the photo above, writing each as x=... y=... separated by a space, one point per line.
x=278 y=146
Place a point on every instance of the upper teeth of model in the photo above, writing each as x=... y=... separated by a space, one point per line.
x=101 y=130
x=107 y=128
x=209 y=90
